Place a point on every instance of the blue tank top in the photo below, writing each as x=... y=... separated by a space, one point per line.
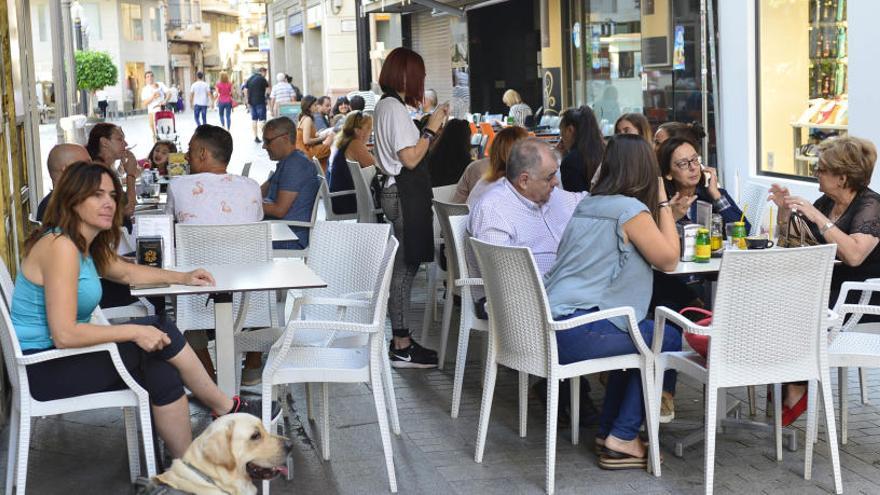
x=29 y=306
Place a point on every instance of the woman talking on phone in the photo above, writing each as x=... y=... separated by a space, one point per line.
x=406 y=190
x=57 y=289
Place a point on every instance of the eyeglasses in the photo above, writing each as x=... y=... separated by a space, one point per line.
x=267 y=141
x=692 y=162
x=817 y=169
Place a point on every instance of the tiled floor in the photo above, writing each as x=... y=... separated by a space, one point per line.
x=85 y=453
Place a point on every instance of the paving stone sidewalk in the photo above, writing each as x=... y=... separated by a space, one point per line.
x=85 y=453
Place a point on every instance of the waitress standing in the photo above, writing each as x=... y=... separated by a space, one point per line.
x=406 y=194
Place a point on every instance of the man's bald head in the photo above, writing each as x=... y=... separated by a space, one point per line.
x=63 y=155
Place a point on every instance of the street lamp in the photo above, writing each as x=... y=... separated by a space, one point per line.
x=80 y=29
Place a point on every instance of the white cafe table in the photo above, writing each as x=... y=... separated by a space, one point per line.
x=281 y=232
x=278 y=274
x=694 y=268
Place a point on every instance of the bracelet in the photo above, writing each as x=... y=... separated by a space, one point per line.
x=825 y=228
x=662 y=204
x=429 y=135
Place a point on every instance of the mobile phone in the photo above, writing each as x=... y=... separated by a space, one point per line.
x=148 y=286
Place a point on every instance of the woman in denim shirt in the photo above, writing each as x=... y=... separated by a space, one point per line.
x=604 y=261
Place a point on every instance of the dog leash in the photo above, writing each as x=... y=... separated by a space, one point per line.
x=204 y=476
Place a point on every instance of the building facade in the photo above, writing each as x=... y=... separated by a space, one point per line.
x=132 y=32
x=314 y=42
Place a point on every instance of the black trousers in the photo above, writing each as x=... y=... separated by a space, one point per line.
x=92 y=373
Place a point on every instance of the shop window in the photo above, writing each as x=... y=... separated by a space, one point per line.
x=132 y=22
x=802 y=82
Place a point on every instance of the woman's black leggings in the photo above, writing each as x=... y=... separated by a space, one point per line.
x=92 y=373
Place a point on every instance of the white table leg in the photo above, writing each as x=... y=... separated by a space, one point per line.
x=225 y=343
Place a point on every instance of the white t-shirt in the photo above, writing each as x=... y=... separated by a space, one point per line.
x=148 y=91
x=209 y=198
x=101 y=95
x=201 y=93
x=394 y=131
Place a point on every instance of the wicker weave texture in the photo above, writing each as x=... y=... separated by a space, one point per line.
x=224 y=244
x=518 y=344
x=766 y=314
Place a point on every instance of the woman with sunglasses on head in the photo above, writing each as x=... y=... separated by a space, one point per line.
x=686 y=181
x=351 y=144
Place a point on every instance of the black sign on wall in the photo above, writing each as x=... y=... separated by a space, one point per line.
x=552 y=84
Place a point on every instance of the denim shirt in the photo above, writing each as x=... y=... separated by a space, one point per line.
x=595 y=267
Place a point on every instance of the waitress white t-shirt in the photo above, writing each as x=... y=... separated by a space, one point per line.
x=394 y=130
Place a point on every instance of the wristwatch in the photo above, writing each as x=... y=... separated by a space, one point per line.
x=825 y=228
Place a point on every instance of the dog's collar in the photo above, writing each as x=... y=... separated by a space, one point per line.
x=204 y=476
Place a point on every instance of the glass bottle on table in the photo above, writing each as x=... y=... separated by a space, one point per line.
x=703 y=246
x=716 y=240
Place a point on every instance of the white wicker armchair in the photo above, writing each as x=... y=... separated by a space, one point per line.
x=134 y=401
x=328 y=196
x=769 y=327
x=362 y=177
x=455 y=232
x=522 y=337
x=219 y=244
x=290 y=363
x=852 y=343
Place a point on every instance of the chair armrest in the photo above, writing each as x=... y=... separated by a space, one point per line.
x=557 y=325
x=662 y=313
x=338 y=194
x=625 y=311
x=293 y=223
x=468 y=281
x=136 y=310
x=51 y=354
x=333 y=301
x=282 y=345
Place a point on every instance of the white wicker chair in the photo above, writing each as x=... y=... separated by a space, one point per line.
x=435 y=274
x=522 y=337
x=289 y=363
x=328 y=196
x=362 y=177
x=853 y=344
x=301 y=253
x=769 y=326
x=455 y=232
x=443 y=210
x=348 y=257
x=134 y=401
x=220 y=244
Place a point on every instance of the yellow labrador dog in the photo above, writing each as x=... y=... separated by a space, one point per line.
x=227 y=457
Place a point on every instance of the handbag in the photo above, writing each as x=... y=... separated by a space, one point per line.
x=798 y=233
x=699 y=343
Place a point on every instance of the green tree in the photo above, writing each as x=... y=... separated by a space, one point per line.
x=94 y=70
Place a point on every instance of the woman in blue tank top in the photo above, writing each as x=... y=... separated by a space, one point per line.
x=57 y=290
x=604 y=261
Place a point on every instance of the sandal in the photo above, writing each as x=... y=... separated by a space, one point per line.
x=613 y=460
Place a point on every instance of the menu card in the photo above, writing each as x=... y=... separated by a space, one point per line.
x=161 y=226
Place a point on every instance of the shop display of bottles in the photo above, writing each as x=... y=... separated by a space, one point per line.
x=828 y=48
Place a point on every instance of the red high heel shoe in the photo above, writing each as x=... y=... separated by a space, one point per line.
x=791 y=414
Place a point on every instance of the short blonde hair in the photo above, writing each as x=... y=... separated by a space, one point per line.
x=850 y=157
x=511 y=97
x=224 y=77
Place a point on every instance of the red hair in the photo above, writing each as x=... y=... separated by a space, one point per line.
x=404 y=72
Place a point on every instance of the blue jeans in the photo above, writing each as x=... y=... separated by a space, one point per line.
x=623 y=410
x=201 y=110
x=225 y=114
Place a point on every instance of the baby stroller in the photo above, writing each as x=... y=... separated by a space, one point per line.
x=166 y=127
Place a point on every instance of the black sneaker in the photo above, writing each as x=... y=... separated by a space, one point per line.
x=253 y=407
x=414 y=356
